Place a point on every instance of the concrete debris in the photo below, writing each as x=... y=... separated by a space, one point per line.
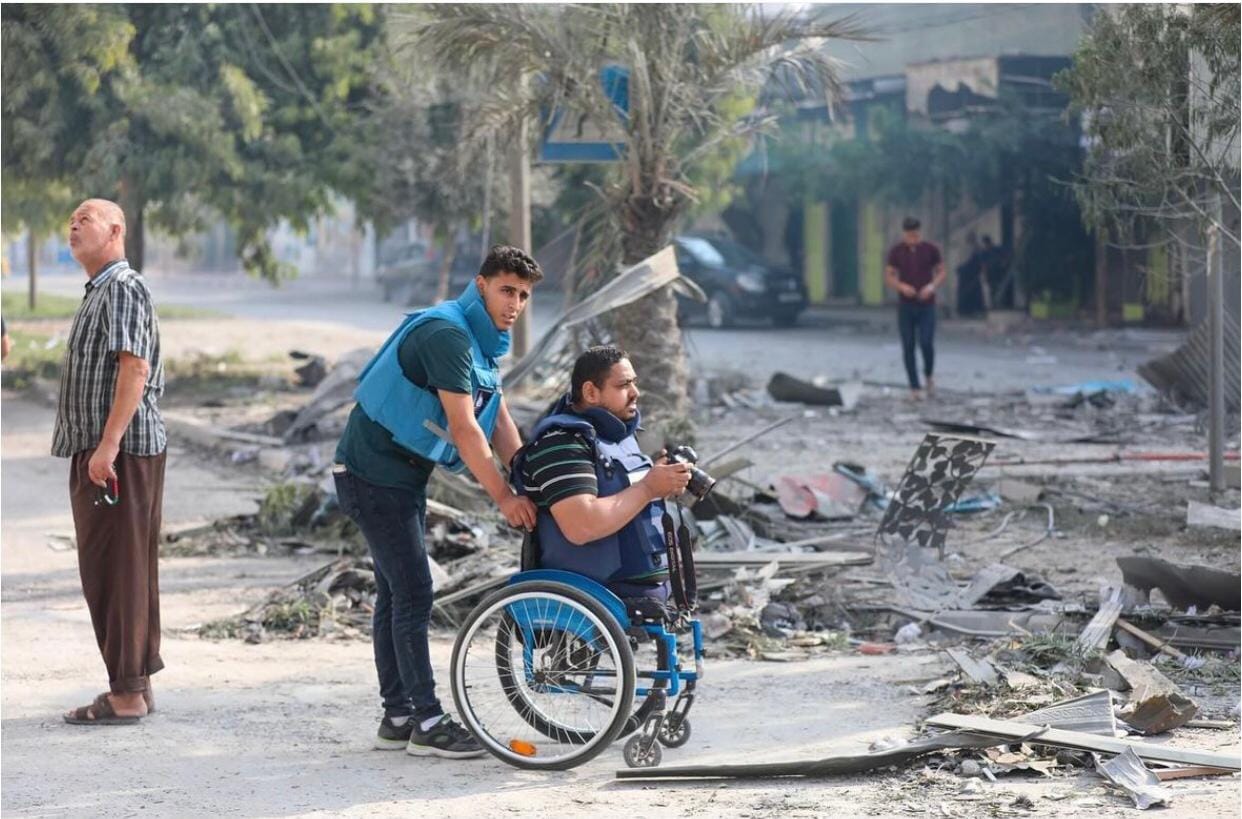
x=980 y=671
x=1202 y=514
x=1183 y=586
x=334 y=392
x=1155 y=704
x=312 y=372
x=785 y=387
x=1012 y=489
x=909 y=633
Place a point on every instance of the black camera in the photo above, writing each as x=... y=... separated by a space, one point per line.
x=700 y=482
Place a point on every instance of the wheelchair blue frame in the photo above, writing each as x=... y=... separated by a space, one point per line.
x=528 y=618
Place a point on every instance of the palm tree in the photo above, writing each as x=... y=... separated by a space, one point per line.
x=688 y=65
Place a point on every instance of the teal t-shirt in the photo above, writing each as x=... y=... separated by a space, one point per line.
x=435 y=355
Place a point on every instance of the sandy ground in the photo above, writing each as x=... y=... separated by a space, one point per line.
x=284 y=728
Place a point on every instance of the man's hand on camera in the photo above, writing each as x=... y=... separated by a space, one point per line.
x=519 y=512
x=666 y=480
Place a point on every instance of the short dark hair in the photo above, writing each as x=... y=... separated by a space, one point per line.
x=594 y=366
x=910 y=223
x=509 y=259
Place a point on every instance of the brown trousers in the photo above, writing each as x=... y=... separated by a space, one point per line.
x=118 y=553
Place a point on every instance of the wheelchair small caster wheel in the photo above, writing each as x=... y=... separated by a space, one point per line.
x=638 y=757
x=674 y=732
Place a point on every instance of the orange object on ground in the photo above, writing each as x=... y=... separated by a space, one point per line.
x=522 y=747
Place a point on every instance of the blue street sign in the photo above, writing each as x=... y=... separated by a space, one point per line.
x=570 y=136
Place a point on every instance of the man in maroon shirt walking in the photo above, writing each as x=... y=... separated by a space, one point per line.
x=915 y=270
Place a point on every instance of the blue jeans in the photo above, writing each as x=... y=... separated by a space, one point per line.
x=392 y=522
x=917 y=322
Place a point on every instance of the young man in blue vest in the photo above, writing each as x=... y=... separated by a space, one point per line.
x=430 y=397
x=600 y=499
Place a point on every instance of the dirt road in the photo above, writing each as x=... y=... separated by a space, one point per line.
x=284 y=728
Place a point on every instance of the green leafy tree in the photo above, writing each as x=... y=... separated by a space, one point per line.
x=688 y=67
x=1158 y=89
x=411 y=141
x=39 y=87
x=185 y=111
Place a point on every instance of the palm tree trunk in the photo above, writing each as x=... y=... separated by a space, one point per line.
x=647 y=329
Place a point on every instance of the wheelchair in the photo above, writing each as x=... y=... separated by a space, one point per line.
x=548 y=671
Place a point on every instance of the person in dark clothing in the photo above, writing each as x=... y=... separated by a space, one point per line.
x=994 y=272
x=970 y=280
x=915 y=269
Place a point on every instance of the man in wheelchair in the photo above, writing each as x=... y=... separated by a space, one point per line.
x=600 y=501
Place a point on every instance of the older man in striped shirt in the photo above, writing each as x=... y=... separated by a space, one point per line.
x=109 y=425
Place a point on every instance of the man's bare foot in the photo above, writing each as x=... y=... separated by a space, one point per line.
x=931 y=385
x=916 y=395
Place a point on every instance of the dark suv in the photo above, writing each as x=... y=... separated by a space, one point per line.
x=738 y=283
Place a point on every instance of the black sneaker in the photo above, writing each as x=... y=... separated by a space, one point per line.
x=446 y=738
x=391 y=737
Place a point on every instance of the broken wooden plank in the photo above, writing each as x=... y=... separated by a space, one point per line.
x=202 y=433
x=1212 y=724
x=1154 y=642
x=1078 y=741
x=1165 y=774
x=1095 y=636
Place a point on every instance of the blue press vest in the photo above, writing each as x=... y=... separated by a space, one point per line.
x=637 y=549
x=405 y=409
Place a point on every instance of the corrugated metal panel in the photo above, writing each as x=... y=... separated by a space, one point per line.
x=1185 y=371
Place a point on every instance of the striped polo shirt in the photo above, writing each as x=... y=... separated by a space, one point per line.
x=559 y=464
x=116 y=315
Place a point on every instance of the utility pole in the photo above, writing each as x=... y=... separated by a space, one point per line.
x=519 y=222
x=487 y=204
x=1101 y=278
x=1216 y=350
x=32 y=260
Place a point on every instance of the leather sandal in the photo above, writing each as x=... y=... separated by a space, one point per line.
x=99 y=712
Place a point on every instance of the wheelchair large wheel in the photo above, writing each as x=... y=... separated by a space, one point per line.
x=543 y=675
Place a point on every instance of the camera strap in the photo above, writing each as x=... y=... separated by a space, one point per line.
x=689 y=577
x=675 y=574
